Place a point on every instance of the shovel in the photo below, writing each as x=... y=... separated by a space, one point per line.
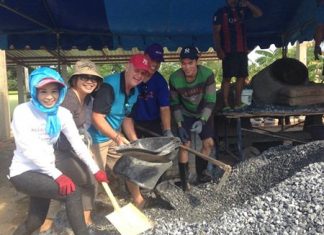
x=128 y=220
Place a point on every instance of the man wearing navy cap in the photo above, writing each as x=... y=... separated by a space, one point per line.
x=152 y=110
x=193 y=97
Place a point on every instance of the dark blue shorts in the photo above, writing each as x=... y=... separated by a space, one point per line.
x=208 y=128
x=235 y=65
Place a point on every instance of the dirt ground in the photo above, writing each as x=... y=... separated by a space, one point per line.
x=13 y=205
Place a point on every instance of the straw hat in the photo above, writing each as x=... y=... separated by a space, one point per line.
x=85 y=67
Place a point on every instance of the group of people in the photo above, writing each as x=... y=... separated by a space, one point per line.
x=66 y=138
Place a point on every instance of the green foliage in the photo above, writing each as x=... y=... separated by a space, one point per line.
x=12 y=79
x=267 y=57
x=12 y=85
x=167 y=68
x=108 y=69
x=314 y=66
x=216 y=66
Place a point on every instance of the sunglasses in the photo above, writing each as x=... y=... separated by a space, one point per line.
x=86 y=78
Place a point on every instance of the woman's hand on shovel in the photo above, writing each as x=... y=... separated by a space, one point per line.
x=101 y=176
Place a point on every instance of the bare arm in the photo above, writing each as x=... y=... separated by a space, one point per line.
x=129 y=129
x=165 y=117
x=217 y=41
x=256 y=11
x=101 y=124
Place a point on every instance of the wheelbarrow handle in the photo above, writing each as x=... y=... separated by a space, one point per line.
x=220 y=164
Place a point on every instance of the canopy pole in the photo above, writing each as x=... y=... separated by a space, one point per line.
x=22 y=73
x=4 y=99
x=58 y=47
x=284 y=47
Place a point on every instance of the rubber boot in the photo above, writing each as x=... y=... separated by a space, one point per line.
x=184 y=174
x=201 y=165
x=201 y=169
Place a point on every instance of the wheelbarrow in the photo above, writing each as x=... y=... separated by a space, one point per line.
x=226 y=168
x=144 y=161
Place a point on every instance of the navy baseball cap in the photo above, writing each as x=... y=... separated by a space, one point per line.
x=189 y=52
x=155 y=52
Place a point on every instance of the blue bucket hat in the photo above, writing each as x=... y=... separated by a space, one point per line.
x=38 y=78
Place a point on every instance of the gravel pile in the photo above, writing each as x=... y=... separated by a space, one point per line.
x=280 y=191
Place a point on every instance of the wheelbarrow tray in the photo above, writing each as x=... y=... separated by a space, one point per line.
x=143 y=173
x=153 y=149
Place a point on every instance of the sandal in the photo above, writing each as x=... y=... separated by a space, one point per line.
x=227 y=109
x=240 y=106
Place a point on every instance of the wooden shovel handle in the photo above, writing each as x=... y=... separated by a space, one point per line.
x=111 y=196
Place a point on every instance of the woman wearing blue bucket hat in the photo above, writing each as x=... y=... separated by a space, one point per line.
x=36 y=126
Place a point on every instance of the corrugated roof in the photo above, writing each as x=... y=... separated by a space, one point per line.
x=43 y=57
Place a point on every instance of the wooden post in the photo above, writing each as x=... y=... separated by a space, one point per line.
x=21 y=78
x=26 y=79
x=64 y=72
x=4 y=99
x=301 y=52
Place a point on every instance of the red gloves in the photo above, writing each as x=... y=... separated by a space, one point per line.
x=66 y=185
x=101 y=176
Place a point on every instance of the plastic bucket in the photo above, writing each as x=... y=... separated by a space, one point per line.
x=246 y=96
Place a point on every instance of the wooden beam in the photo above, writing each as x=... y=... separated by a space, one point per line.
x=21 y=78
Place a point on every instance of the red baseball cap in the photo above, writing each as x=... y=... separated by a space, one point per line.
x=139 y=61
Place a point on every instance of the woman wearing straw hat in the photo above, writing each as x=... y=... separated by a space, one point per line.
x=83 y=82
x=36 y=126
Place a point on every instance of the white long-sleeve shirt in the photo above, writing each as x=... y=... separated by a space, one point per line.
x=34 y=148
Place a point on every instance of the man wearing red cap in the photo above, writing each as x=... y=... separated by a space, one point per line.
x=111 y=111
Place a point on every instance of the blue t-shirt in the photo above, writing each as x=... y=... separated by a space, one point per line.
x=152 y=95
x=112 y=101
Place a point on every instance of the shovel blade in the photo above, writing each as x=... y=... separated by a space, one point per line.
x=129 y=220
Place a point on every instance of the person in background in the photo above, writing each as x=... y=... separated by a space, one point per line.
x=111 y=112
x=36 y=126
x=319 y=30
x=193 y=97
x=229 y=36
x=83 y=82
x=152 y=109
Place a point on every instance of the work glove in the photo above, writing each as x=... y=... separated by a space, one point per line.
x=167 y=133
x=101 y=176
x=183 y=135
x=66 y=185
x=197 y=126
